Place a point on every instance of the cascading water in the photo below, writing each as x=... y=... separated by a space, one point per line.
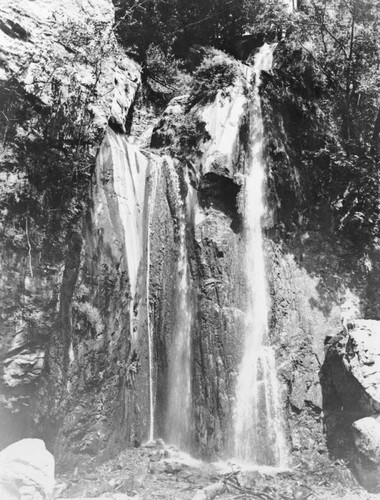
x=178 y=416
x=155 y=170
x=258 y=434
x=292 y=5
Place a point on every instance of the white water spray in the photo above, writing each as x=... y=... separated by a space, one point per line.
x=291 y=5
x=155 y=170
x=178 y=417
x=258 y=434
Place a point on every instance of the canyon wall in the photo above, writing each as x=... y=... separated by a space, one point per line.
x=90 y=278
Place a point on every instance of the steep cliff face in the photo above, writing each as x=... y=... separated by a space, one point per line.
x=90 y=278
x=107 y=303
x=300 y=316
x=329 y=260
x=63 y=78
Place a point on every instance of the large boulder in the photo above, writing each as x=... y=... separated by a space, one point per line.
x=362 y=359
x=351 y=397
x=352 y=367
x=367 y=460
x=26 y=471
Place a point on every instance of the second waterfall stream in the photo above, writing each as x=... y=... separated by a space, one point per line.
x=257 y=424
x=178 y=418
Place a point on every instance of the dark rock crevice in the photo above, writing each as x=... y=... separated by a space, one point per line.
x=220 y=193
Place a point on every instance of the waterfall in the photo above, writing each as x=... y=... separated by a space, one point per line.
x=178 y=416
x=155 y=170
x=258 y=435
x=290 y=5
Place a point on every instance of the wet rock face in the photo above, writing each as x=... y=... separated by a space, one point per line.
x=94 y=379
x=214 y=249
x=305 y=305
x=107 y=396
x=297 y=329
x=163 y=293
x=218 y=330
x=81 y=288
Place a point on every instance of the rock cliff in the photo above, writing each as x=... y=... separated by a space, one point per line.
x=63 y=80
x=90 y=241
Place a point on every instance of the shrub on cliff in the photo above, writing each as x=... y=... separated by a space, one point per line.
x=216 y=73
x=163 y=73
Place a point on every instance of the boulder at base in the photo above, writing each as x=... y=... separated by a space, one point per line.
x=26 y=471
x=350 y=379
x=367 y=443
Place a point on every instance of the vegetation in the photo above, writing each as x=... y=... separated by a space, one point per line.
x=215 y=74
x=180 y=27
x=327 y=88
x=48 y=133
x=179 y=24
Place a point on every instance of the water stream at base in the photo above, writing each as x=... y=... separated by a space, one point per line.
x=178 y=416
x=257 y=422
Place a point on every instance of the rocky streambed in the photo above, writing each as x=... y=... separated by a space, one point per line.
x=157 y=471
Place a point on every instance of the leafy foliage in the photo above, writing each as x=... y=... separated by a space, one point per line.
x=215 y=74
x=48 y=133
x=165 y=35
x=180 y=24
x=164 y=74
x=327 y=87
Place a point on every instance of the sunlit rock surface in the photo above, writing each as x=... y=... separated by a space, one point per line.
x=40 y=41
x=26 y=471
x=362 y=358
x=120 y=191
x=224 y=119
x=367 y=443
x=24 y=367
x=109 y=366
